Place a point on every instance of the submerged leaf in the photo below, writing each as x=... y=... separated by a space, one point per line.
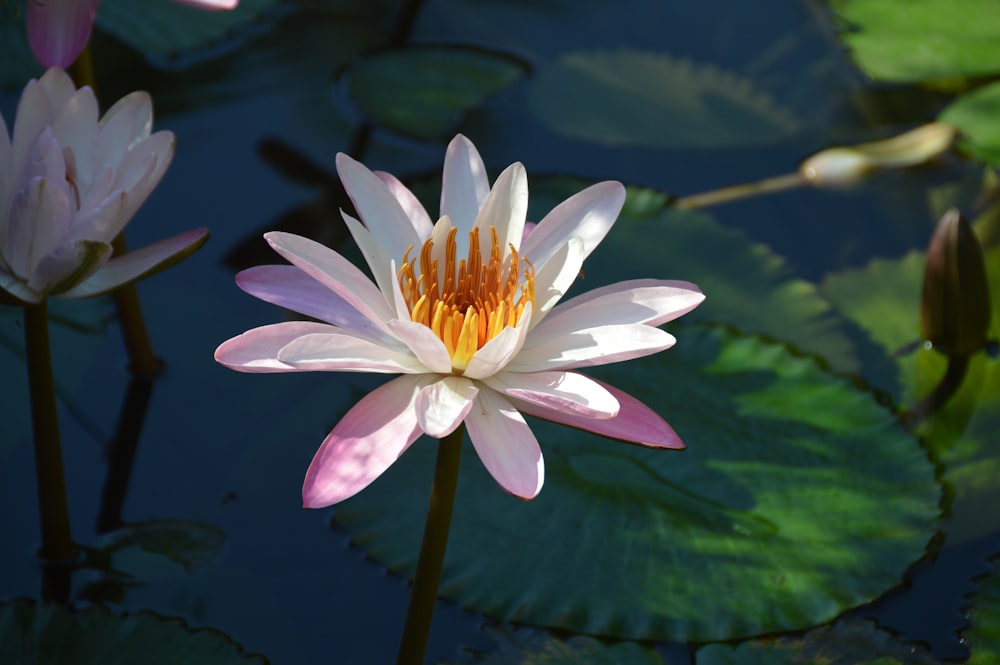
x=525 y=646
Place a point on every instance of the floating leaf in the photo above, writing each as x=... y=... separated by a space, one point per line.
x=636 y=98
x=163 y=30
x=851 y=642
x=983 y=634
x=976 y=115
x=525 y=646
x=35 y=634
x=921 y=40
x=798 y=497
x=191 y=544
x=425 y=91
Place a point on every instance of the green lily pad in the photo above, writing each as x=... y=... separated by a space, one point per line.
x=983 y=634
x=425 y=91
x=798 y=495
x=637 y=98
x=751 y=288
x=35 y=634
x=162 y=30
x=190 y=544
x=976 y=115
x=883 y=299
x=851 y=642
x=525 y=646
x=919 y=40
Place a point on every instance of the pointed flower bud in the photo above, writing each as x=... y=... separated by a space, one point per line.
x=59 y=29
x=955 y=304
x=846 y=165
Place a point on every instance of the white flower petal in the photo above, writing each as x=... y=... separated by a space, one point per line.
x=443 y=405
x=410 y=204
x=504 y=210
x=556 y=276
x=256 y=350
x=339 y=351
x=589 y=347
x=377 y=207
x=506 y=445
x=498 y=352
x=588 y=215
x=464 y=184
x=567 y=392
x=424 y=344
x=375 y=255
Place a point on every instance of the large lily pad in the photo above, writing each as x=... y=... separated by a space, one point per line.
x=637 y=98
x=34 y=634
x=425 y=91
x=917 y=40
x=799 y=496
x=983 y=635
x=976 y=115
x=525 y=646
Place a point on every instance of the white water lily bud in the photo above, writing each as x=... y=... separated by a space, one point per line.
x=847 y=165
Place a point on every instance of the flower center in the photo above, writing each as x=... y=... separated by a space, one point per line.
x=470 y=301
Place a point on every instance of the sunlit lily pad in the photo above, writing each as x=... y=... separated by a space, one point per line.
x=752 y=288
x=638 y=98
x=924 y=39
x=852 y=642
x=163 y=30
x=34 y=634
x=525 y=646
x=983 y=635
x=425 y=91
x=798 y=496
x=976 y=115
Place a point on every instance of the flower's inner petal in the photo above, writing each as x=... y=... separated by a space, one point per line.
x=468 y=302
x=443 y=405
x=339 y=351
x=569 y=392
x=464 y=185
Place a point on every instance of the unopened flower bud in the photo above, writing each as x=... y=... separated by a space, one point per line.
x=846 y=165
x=955 y=304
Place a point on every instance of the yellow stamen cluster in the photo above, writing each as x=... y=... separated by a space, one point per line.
x=470 y=301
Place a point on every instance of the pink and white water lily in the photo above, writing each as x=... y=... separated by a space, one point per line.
x=69 y=183
x=468 y=312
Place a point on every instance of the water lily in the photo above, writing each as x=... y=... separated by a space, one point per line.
x=69 y=183
x=59 y=29
x=469 y=314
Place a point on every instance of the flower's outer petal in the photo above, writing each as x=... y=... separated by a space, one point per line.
x=410 y=204
x=141 y=170
x=34 y=113
x=335 y=273
x=556 y=276
x=504 y=210
x=291 y=288
x=6 y=178
x=15 y=292
x=506 y=445
x=443 y=405
x=589 y=347
x=642 y=301
x=635 y=422
x=377 y=207
x=338 y=351
x=366 y=441
x=568 y=392
x=69 y=265
x=375 y=255
x=464 y=185
x=498 y=352
x=38 y=219
x=139 y=264
x=210 y=4
x=587 y=215
x=256 y=350
x=59 y=29
x=423 y=343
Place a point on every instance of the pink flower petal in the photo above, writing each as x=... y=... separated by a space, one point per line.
x=59 y=29
x=635 y=422
x=506 y=445
x=464 y=185
x=589 y=347
x=443 y=405
x=373 y=434
x=291 y=288
x=569 y=392
x=139 y=264
x=210 y=4
x=257 y=349
x=587 y=215
x=338 y=351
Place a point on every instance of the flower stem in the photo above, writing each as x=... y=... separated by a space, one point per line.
x=743 y=191
x=142 y=362
x=416 y=630
x=57 y=545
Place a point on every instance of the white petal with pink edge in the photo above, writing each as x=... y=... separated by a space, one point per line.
x=256 y=350
x=589 y=347
x=569 y=392
x=338 y=351
x=506 y=445
x=366 y=441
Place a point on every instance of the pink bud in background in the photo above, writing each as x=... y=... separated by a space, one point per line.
x=59 y=29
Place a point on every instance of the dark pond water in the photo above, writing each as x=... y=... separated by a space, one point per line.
x=216 y=448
